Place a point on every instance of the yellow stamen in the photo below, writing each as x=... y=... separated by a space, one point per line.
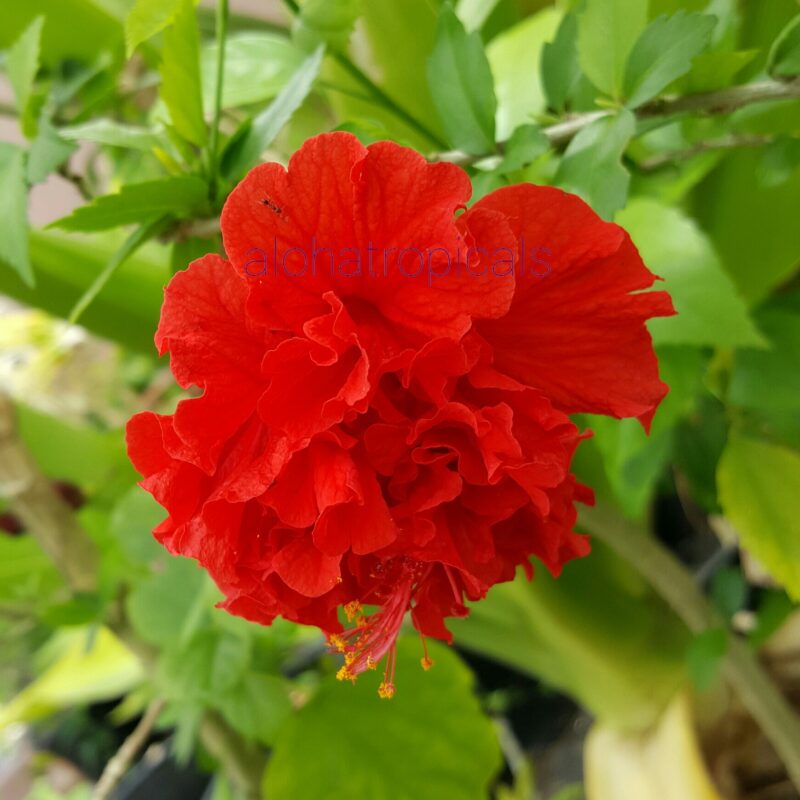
x=426 y=662
x=370 y=663
x=352 y=610
x=344 y=674
x=334 y=640
x=386 y=691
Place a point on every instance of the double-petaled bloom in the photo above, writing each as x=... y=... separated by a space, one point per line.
x=386 y=382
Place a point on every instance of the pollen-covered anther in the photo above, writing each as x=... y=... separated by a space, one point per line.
x=426 y=662
x=344 y=674
x=386 y=690
x=336 y=642
x=352 y=610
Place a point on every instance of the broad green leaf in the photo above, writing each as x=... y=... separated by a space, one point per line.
x=92 y=666
x=769 y=379
x=22 y=64
x=400 y=35
x=132 y=523
x=759 y=489
x=607 y=31
x=714 y=70
x=80 y=454
x=663 y=53
x=592 y=164
x=784 y=56
x=357 y=740
x=113 y=133
x=14 y=212
x=326 y=22
x=73 y=29
x=257 y=66
x=256 y=706
x=461 y=86
x=753 y=226
x=146 y=19
x=161 y=607
x=710 y=311
x=27 y=574
x=47 y=152
x=598 y=618
x=473 y=13
x=181 y=86
x=559 y=65
x=138 y=202
x=525 y=144
x=67 y=264
x=245 y=150
x=515 y=57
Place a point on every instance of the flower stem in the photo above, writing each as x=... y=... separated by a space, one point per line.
x=213 y=142
x=376 y=93
x=757 y=692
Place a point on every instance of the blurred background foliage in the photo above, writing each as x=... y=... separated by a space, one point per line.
x=680 y=120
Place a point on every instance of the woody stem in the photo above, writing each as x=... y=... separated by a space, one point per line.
x=756 y=690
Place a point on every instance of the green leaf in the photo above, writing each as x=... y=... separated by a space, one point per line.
x=607 y=31
x=132 y=522
x=160 y=607
x=664 y=52
x=633 y=460
x=769 y=380
x=784 y=55
x=113 y=133
x=526 y=144
x=759 y=490
x=431 y=741
x=753 y=226
x=710 y=311
x=22 y=64
x=14 y=211
x=138 y=202
x=515 y=57
x=704 y=657
x=714 y=70
x=180 y=75
x=559 y=64
x=127 y=311
x=47 y=152
x=592 y=164
x=146 y=19
x=473 y=13
x=326 y=22
x=461 y=85
x=257 y=66
x=245 y=149
x=257 y=706
x=729 y=591
x=598 y=618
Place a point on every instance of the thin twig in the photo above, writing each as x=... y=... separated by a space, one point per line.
x=723 y=101
x=756 y=690
x=732 y=142
x=122 y=760
x=46 y=516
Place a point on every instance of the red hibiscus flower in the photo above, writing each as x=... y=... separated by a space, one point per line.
x=386 y=383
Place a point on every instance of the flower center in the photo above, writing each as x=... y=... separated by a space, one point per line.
x=374 y=637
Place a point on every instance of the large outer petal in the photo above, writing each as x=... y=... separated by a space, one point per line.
x=577 y=333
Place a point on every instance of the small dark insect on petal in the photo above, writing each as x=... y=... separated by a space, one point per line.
x=272 y=206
